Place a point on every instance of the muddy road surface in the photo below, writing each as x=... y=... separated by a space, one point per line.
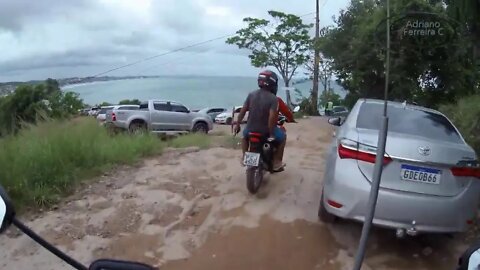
x=189 y=209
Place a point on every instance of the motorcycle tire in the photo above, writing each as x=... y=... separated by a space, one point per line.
x=254 y=178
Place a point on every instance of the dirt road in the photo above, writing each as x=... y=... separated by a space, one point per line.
x=190 y=209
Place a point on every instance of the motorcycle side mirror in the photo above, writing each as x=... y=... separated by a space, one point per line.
x=7 y=212
x=296 y=109
x=336 y=121
x=107 y=264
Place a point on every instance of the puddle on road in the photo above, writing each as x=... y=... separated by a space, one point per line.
x=271 y=245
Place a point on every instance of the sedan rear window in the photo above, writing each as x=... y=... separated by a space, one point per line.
x=104 y=110
x=408 y=121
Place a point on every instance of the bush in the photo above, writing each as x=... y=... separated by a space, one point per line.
x=29 y=102
x=43 y=162
x=466 y=116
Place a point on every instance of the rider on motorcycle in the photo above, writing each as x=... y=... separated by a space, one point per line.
x=262 y=105
x=285 y=111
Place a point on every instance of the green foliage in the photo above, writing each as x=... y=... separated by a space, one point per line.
x=465 y=115
x=45 y=161
x=330 y=96
x=105 y=104
x=200 y=140
x=428 y=76
x=31 y=102
x=285 y=48
x=129 y=102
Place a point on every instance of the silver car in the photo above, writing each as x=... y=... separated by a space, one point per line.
x=430 y=180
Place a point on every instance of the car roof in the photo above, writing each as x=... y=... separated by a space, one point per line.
x=118 y=106
x=400 y=104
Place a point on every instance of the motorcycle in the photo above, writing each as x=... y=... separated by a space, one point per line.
x=259 y=157
x=8 y=218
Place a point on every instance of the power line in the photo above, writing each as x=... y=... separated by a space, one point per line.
x=183 y=57
x=174 y=51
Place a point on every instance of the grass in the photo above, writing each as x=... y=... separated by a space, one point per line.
x=199 y=140
x=465 y=115
x=44 y=162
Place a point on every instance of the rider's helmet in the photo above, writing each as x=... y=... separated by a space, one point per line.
x=268 y=80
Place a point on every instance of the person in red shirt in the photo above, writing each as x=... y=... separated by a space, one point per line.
x=285 y=111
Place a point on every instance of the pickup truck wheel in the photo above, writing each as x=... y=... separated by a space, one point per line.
x=200 y=128
x=137 y=128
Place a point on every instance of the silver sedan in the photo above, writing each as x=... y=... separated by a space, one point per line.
x=430 y=180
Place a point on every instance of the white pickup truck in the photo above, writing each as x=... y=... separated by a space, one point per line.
x=159 y=116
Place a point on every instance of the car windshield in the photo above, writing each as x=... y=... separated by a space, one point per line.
x=409 y=121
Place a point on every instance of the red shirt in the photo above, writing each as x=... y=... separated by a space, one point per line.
x=283 y=109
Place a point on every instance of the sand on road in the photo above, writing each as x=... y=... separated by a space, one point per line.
x=190 y=209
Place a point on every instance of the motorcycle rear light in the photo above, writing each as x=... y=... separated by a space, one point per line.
x=466 y=171
x=114 y=117
x=354 y=150
x=254 y=139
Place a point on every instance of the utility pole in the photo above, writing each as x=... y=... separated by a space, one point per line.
x=316 y=60
x=377 y=171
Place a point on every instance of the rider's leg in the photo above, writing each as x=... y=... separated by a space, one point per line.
x=281 y=149
x=244 y=144
x=280 y=137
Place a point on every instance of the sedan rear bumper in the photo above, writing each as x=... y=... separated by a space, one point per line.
x=398 y=209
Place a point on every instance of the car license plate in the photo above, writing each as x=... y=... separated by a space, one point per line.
x=251 y=159
x=420 y=174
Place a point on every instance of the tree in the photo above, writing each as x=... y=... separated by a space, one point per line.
x=467 y=12
x=428 y=75
x=28 y=103
x=51 y=86
x=129 y=102
x=325 y=71
x=104 y=104
x=285 y=47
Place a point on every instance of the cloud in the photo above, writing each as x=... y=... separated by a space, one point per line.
x=50 y=38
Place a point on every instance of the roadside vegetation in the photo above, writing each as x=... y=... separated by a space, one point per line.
x=45 y=161
x=201 y=141
x=465 y=113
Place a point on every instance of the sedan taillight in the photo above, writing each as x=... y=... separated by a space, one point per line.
x=114 y=117
x=355 y=150
x=466 y=171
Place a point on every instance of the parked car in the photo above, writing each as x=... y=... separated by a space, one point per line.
x=339 y=111
x=102 y=115
x=160 y=116
x=212 y=112
x=228 y=117
x=93 y=111
x=430 y=175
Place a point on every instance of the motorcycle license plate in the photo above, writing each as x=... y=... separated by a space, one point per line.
x=251 y=159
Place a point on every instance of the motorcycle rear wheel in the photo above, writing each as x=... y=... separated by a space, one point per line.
x=254 y=178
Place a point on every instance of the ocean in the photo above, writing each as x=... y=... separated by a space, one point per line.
x=193 y=92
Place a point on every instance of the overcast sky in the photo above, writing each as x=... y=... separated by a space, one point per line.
x=63 y=38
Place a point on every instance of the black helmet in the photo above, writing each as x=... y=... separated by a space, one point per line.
x=268 y=80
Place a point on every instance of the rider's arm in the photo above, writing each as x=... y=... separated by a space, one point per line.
x=273 y=117
x=243 y=111
x=283 y=108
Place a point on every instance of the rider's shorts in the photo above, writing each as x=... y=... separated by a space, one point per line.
x=278 y=133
